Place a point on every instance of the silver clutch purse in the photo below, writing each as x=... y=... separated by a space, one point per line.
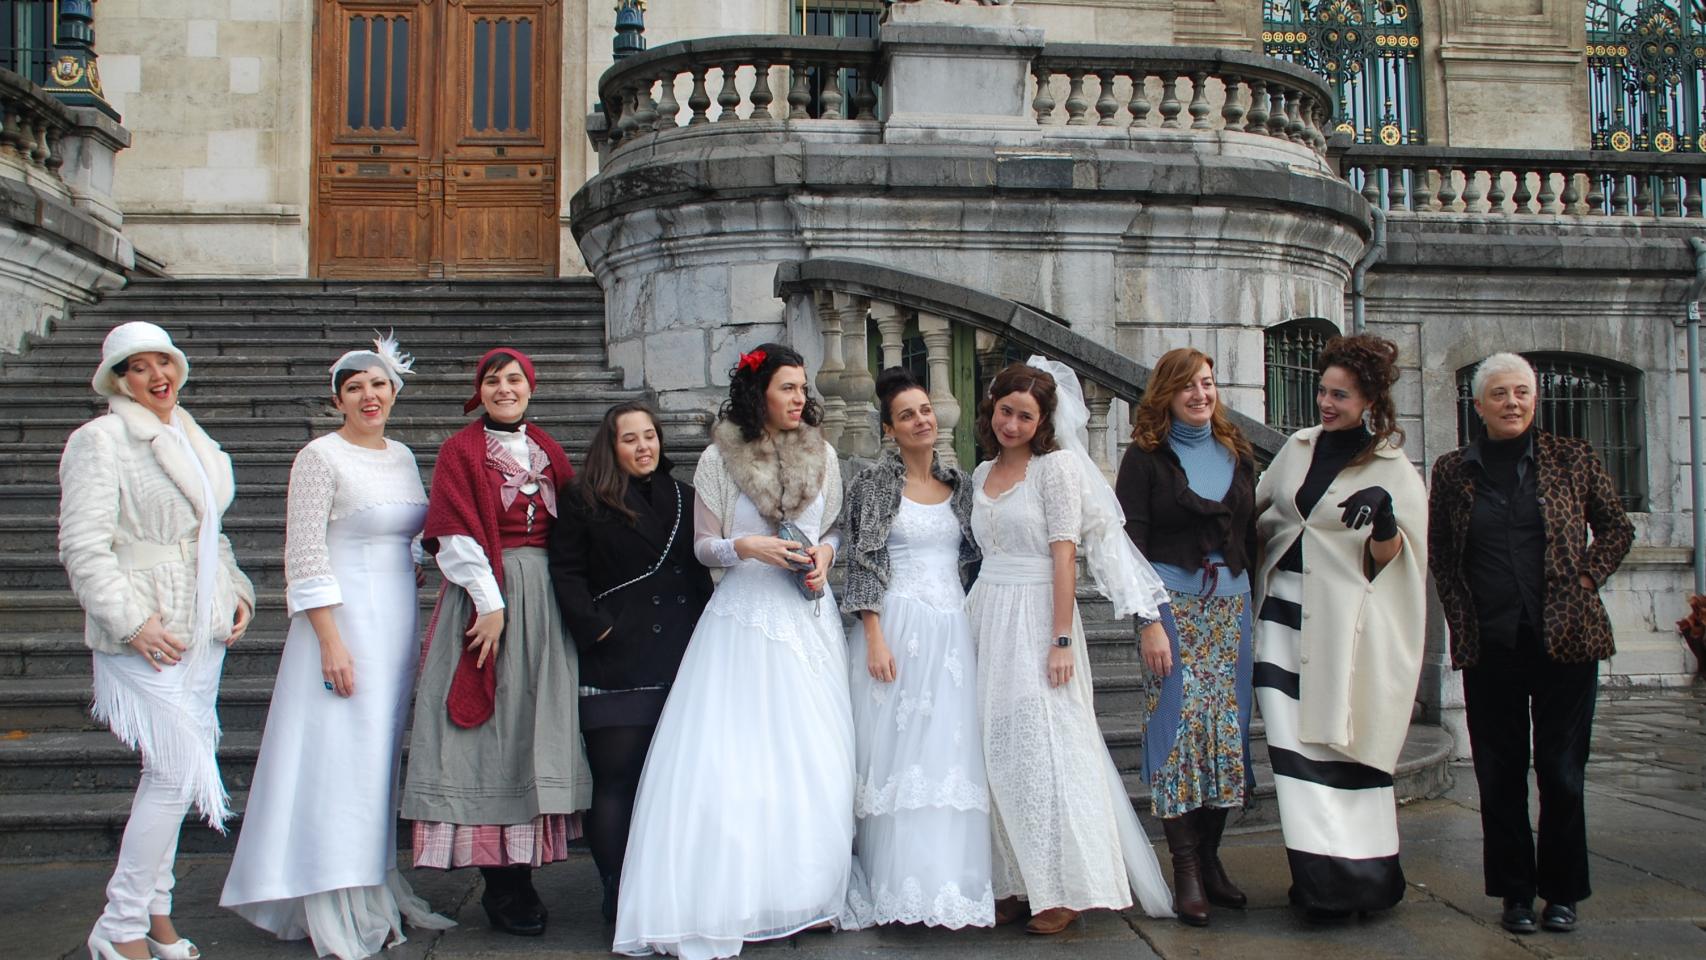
x=787 y=530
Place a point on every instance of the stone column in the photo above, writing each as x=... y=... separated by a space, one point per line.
x=829 y=373
x=891 y=325
x=1099 y=399
x=938 y=336
x=859 y=437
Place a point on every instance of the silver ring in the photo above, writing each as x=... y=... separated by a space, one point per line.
x=158 y=656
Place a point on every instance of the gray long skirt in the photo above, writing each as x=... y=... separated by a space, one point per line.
x=527 y=759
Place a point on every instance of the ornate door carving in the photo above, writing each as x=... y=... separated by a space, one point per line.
x=435 y=138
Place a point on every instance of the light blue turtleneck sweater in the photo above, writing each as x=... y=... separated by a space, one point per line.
x=1208 y=471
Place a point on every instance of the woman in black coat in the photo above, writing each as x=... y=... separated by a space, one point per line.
x=630 y=592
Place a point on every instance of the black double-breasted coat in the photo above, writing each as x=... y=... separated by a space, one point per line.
x=594 y=549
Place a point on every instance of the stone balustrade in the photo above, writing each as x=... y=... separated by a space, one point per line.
x=32 y=125
x=741 y=79
x=1189 y=89
x=844 y=298
x=1528 y=183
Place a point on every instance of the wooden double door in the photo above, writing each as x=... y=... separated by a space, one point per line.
x=436 y=138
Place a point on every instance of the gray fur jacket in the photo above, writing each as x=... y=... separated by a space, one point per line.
x=873 y=498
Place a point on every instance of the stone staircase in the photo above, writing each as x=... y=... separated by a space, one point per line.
x=259 y=352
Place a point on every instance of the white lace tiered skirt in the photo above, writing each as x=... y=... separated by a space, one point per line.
x=743 y=827
x=922 y=850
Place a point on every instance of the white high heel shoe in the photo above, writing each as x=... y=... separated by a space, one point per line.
x=101 y=948
x=183 y=949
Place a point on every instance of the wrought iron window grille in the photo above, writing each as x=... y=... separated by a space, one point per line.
x=1369 y=50
x=1292 y=349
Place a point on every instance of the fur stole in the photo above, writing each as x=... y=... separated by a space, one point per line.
x=781 y=478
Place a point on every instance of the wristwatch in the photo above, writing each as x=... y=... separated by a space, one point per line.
x=1144 y=623
x=1063 y=641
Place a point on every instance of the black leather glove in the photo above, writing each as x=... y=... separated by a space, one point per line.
x=1371 y=505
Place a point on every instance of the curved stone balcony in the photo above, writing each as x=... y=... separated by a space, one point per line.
x=1145 y=192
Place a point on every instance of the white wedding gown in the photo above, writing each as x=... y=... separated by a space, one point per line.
x=317 y=853
x=1065 y=832
x=922 y=850
x=743 y=826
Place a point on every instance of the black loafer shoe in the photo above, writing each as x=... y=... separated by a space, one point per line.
x=1518 y=916
x=1559 y=917
x=512 y=914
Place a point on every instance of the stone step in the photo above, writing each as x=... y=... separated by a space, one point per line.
x=468 y=343
x=76 y=369
x=61 y=702
x=564 y=419
x=94 y=761
x=53 y=655
x=227 y=383
x=338 y=315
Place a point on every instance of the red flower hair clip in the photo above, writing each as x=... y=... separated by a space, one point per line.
x=751 y=361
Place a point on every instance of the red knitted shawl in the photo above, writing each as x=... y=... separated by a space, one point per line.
x=464 y=502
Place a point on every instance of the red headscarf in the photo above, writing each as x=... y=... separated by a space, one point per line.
x=479 y=370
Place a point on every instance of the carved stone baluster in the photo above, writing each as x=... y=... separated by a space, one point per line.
x=891 y=328
x=1619 y=195
x=699 y=101
x=1520 y=199
x=728 y=98
x=1199 y=101
x=1447 y=192
x=1256 y=120
x=799 y=91
x=1277 y=120
x=1691 y=204
x=1670 y=198
x=55 y=157
x=1106 y=106
x=938 y=336
x=11 y=132
x=1571 y=198
x=1043 y=103
x=1495 y=191
x=865 y=97
x=831 y=96
x=667 y=105
x=1232 y=108
x=1076 y=103
x=1139 y=105
x=1397 y=190
x=859 y=438
x=1421 y=190
x=1596 y=199
x=645 y=108
x=1547 y=198
x=761 y=96
x=1643 y=196
x=1171 y=105
x=1310 y=136
x=1293 y=118
x=1371 y=184
x=625 y=119
x=1099 y=400
x=834 y=368
x=1471 y=190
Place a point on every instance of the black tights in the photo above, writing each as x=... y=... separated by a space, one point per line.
x=616 y=755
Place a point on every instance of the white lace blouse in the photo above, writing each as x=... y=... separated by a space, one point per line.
x=331 y=479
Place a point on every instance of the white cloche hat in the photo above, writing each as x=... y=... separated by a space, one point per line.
x=127 y=340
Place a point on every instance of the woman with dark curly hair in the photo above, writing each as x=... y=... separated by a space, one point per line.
x=743 y=827
x=1342 y=518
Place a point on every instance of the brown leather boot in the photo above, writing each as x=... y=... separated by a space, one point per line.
x=1189 y=901
x=1221 y=891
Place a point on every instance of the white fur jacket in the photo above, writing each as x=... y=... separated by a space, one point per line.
x=780 y=479
x=123 y=479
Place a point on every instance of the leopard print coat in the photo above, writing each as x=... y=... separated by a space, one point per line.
x=1576 y=495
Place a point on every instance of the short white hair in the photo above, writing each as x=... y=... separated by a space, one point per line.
x=1500 y=363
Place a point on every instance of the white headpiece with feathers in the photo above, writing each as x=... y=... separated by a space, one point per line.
x=384 y=355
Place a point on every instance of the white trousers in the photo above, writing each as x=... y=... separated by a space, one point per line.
x=142 y=882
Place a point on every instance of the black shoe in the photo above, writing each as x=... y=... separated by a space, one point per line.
x=1518 y=916
x=1559 y=917
x=510 y=913
x=1324 y=915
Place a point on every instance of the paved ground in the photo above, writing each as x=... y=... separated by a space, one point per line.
x=1647 y=816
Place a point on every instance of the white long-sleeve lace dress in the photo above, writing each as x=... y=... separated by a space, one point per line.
x=318 y=850
x=1065 y=834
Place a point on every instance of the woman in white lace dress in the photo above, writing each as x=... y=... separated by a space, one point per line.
x=921 y=854
x=1066 y=837
x=317 y=857
x=743 y=827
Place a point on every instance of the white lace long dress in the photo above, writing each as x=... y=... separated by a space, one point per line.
x=1064 y=831
x=317 y=853
x=743 y=826
x=921 y=854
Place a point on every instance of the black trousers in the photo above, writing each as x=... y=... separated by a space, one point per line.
x=1516 y=693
